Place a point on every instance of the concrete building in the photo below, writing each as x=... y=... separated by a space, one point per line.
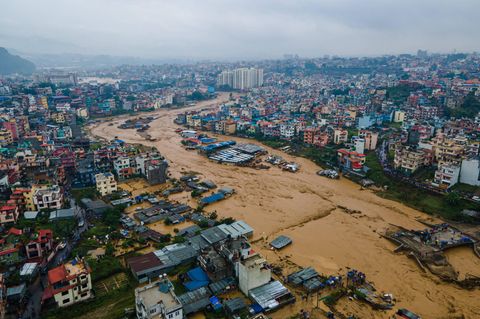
x=6 y=137
x=287 y=131
x=123 y=168
x=370 y=138
x=398 y=116
x=409 y=159
x=158 y=301
x=69 y=283
x=253 y=272
x=241 y=79
x=156 y=172
x=340 y=136
x=359 y=145
x=225 y=78
x=44 y=197
x=9 y=214
x=470 y=172
x=446 y=176
x=106 y=183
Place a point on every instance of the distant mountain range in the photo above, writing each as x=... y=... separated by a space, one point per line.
x=10 y=64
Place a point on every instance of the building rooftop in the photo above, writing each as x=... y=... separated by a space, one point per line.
x=142 y=263
x=159 y=291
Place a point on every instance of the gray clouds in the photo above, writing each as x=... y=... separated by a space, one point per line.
x=239 y=29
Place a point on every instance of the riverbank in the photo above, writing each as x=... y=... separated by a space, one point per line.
x=311 y=210
x=434 y=204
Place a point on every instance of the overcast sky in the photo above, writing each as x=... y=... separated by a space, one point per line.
x=239 y=28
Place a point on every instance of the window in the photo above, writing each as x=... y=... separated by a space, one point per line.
x=66 y=301
x=65 y=293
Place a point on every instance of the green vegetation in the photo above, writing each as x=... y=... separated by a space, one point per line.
x=465 y=188
x=469 y=108
x=446 y=206
x=87 y=192
x=178 y=287
x=104 y=267
x=401 y=92
x=197 y=96
x=61 y=228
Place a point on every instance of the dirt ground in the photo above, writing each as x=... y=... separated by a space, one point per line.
x=305 y=207
x=138 y=186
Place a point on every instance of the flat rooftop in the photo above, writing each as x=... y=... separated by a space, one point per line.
x=158 y=291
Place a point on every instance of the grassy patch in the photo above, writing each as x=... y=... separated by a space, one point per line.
x=87 y=192
x=104 y=267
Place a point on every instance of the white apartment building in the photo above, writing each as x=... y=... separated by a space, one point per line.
x=287 y=131
x=446 y=176
x=253 y=272
x=106 y=183
x=47 y=198
x=242 y=78
x=69 y=283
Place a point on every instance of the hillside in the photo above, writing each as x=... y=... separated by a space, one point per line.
x=14 y=64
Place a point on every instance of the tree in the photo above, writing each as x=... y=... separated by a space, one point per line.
x=452 y=198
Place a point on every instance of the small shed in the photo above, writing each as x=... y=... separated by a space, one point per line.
x=235 y=306
x=281 y=242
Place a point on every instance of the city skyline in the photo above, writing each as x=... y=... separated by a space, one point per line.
x=247 y=30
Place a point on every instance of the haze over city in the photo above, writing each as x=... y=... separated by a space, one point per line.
x=216 y=29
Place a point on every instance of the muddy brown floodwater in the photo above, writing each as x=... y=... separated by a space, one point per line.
x=307 y=208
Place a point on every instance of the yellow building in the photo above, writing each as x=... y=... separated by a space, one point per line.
x=5 y=137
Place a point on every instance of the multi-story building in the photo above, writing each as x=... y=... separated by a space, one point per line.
x=287 y=131
x=41 y=245
x=241 y=79
x=225 y=78
x=398 y=116
x=340 y=136
x=156 y=172
x=470 y=171
x=69 y=283
x=44 y=197
x=446 y=176
x=230 y=127
x=450 y=151
x=9 y=214
x=5 y=137
x=123 y=168
x=253 y=272
x=308 y=134
x=106 y=183
x=409 y=159
x=158 y=301
x=370 y=138
x=351 y=160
